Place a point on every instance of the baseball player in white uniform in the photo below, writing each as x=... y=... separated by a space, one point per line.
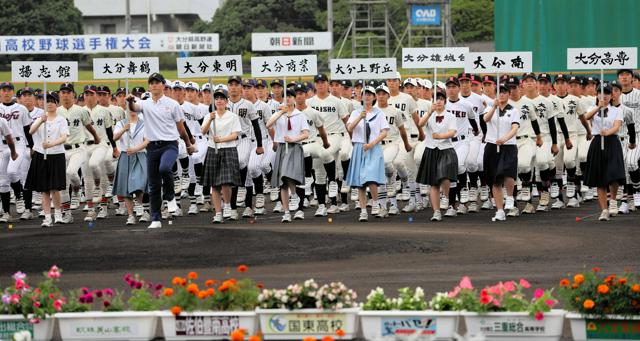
x=194 y=115
x=630 y=98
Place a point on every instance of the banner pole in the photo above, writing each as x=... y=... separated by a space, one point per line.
x=496 y=104
x=602 y=95
x=45 y=117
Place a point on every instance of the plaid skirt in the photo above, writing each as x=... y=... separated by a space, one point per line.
x=221 y=168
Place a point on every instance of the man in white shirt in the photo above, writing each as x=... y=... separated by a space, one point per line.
x=631 y=99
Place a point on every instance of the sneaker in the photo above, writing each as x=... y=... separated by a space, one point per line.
x=20 y=206
x=102 y=213
x=247 y=213
x=85 y=208
x=206 y=207
x=473 y=194
x=299 y=215
x=217 y=218
x=410 y=207
x=121 y=211
x=5 y=218
x=573 y=202
x=234 y=215
x=109 y=192
x=382 y=213
x=193 y=209
x=344 y=189
x=273 y=194
x=391 y=191
x=444 y=203
x=464 y=196
x=525 y=194
x=636 y=199
x=486 y=205
x=529 y=209
x=534 y=192
x=484 y=193
x=405 y=194
x=344 y=207
x=559 y=204
x=200 y=199
x=624 y=208
x=424 y=189
x=67 y=217
x=165 y=214
x=146 y=217
x=259 y=200
x=139 y=210
x=363 y=216
x=393 y=210
x=26 y=215
x=307 y=185
x=97 y=194
x=75 y=201
x=472 y=207
x=419 y=206
x=321 y=211
x=613 y=207
x=47 y=222
x=545 y=199
x=155 y=225
x=514 y=212
x=226 y=212
x=437 y=216
x=242 y=195
x=277 y=208
x=500 y=216
x=178 y=212
x=57 y=218
x=462 y=209
x=172 y=205
x=354 y=194
x=91 y=216
x=554 y=190
x=374 y=210
x=604 y=216
x=333 y=189
x=509 y=203
x=313 y=202
x=630 y=204
x=451 y=212
x=333 y=209
x=286 y=218
x=518 y=196
x=305 y=203
x=571 y=190
x=589 y=195
x=198 y=192
x=294 y=203
x=542 y=208
x=131 y=220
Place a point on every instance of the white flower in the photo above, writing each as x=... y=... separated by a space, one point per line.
x=339 y=305
x=284 y=299
x=331 y=297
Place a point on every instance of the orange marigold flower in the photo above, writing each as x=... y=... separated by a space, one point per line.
x=603 y=289
x=168 y=292
x=176 y=310
x=183 y=281
x=635 y=288
x=202 y=294
x=309 y=338
x=193 y=288
x=233 y=281
x=209 y=283
x=578 y=299
x=622 y=281
x=588 y=304
x=327 y=338
x=193 y=275
x=224 y=287
x=176 y=281
x=610 y=279
x=564 y=282
x=211 y=291
x=340 y=332
x=574 y=286
x=237 y=335
x=254 y=338
x=579 y=278
x=243 y=268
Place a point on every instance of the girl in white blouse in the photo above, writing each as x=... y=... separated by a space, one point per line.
x=47 y=172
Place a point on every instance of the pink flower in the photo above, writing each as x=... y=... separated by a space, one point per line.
x=538 y=293
x=19 y=275
x=36 y=304
x=539 y=316
x=106 y=303
x=98 y=293
x=485 y=299
x=454 y=293
x=54 y=272
x=108 y=292
x=496 y=302
x=85 y=290
x=57 y=305
x=465 y=283
x=20 y=284
x=550 y=303
x=510 y=286
x=15 y=298
x=496 y=289
x=524 y=283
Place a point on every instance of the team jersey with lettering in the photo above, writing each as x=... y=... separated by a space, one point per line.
x=314 y=120
x=35 y=113
x=18 y=117
x=263 y=110
x=101 y=120
x=274 y=105
x=463 y=111
x=544 y=110
x=396 y=119
x=246 y=113
x=5 y=131
x=332 y=111
x=407 y=106
x=192 y=116
x=477 y=102
x=572 y=112
x=527 y=109
x=631 y=100
x=78 y=118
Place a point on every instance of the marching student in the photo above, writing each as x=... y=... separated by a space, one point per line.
x=439 y=164
x=221 y=165
x=627 y=136
x=131 y=174
x=47 y=171
x=291 y=128
x=501 y=150
x=630 y=98
x=368 y=127
x=605 y=166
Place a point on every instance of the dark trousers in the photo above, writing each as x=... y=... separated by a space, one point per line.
x=161 y=155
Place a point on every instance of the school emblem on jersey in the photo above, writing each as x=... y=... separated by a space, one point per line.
x=541 y=109
x=99 y=122
x=76 y=122
x=572 y=107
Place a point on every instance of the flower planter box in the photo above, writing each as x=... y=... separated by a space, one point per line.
x=283 y=324
x=430 y=325
x=95 y=325
x=510 y=326
x=10 y=324
x=206 y=325
x=612 y=327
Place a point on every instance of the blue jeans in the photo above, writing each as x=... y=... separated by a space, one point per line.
x=161 y=155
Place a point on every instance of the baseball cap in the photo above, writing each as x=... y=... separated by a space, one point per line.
x=120 y=90
x=464 y=76
x=489 y=79
x=615 y=84
x=103 y=89
x=177 y=85
x=290 y=93
x=382 y=88
x=441 y=94
x=26 y=90
x=561 y=77
x=370 y=89
x=605 y=87
x=221 y=93
x=248 y=82
x=299 y=87
x=398 y=76
x=624 y=70
x=221 y=86
x=512 y=81
x=452 y=79
x=593 y=80
x=167 y=83
x=358 y=82
x=53 y=96
x=192 y=86
x=67 y=86
x=544 y=77
x=528 y=75
x=81 y=97
x=137 y=89
x=425 y=83
x=411 y=81
x=504 y=87
x=291 y=84
x=6 y=85
x=89 y=88
x=237 y=79
x=261 y=82
x=205 y=87
x=156 y=76
x=441 y=85
x=346 y=83
x=309 y=85
x=374 y=83
x=574 y=79
x=277 y=82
